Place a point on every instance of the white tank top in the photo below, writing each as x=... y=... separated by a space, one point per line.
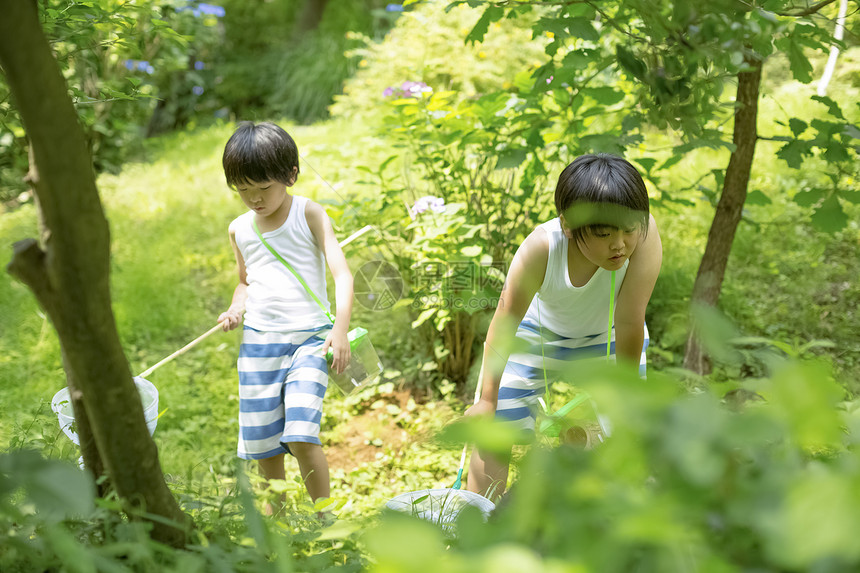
x=567 y=310
x=277 y=301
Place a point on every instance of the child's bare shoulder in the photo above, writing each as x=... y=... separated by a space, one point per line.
x=234 y=224
x=314 y=209
x=536 y=245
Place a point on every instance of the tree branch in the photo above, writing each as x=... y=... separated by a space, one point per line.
x=808 y=10
x=28 y=265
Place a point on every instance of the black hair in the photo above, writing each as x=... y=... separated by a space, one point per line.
x=260 y=152
x=601 y=190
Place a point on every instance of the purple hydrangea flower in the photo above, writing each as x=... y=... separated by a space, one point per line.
x=435 y=204
x=197 y=90
x=394 y=8
x=414 y=89
x=407 y=89
x=201 y=9
x=217 y=11
x=198 y=65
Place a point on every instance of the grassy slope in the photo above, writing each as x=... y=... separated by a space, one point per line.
x=172 y=274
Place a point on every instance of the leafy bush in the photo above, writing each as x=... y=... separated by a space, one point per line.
x=472 y=190
x=685 y=482
x=428 y=45
x=117 y=58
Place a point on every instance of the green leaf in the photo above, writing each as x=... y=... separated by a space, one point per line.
x=793 y=152
x=850 y=196
x=604 y=94
x=422 y=318
x=647 y=163
x=601 y=142
x=510 y=158
x=490 y=15
x=676 y=157
x=580 y=59
x=385 y=163
x=800 y=66
x=797 y=126
x=808 y=197
x=832 y=107
x=757 y=198
x=471 y=251
x=851 y=131
x=829 y=216
x=581 y=28
x=631 y=63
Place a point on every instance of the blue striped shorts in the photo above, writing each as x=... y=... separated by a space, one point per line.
x=283 y=377
x=523 y=383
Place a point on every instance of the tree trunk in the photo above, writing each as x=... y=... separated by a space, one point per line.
x=69 y=273
x=309 y=18
x=709 y=280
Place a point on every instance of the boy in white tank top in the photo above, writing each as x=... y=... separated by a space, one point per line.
x=283 y=373
x=556 y=296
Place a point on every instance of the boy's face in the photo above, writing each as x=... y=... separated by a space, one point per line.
x=608 y=247
x=262 y=197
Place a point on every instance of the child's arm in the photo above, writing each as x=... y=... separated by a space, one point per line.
x=233 y=316
x=525 y=277
x=322 y=231
x=635 y=293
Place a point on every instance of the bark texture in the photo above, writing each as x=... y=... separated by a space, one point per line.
x=68 y=273
x=712 y=269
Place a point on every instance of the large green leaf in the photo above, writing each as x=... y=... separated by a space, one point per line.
x=757 y=198
x=829 y=217
x=490 y=15
x=832 y=107
x=793 y=152
x=797 y=126
x=606 y=95
x=801 y=68
x=511 y=157
x=581 y=28
x=631 y=63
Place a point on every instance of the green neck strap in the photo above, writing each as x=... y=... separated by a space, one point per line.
x=297 y=275
x=611 y=312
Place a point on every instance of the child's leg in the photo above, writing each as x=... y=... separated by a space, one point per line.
x=520 y=387
x=313 y=467
x=273 y=468
x=304 y=390
x=488 y=474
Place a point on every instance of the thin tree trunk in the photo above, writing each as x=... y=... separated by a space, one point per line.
x=712 y=270
x=69 y=273
x=309 y=18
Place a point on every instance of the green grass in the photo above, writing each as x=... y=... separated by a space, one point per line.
x=173 y=272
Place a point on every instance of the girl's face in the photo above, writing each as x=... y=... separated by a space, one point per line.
x=262 y=197
x=609 y=247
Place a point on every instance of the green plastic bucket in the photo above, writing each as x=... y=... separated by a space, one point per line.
x=364 y=364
